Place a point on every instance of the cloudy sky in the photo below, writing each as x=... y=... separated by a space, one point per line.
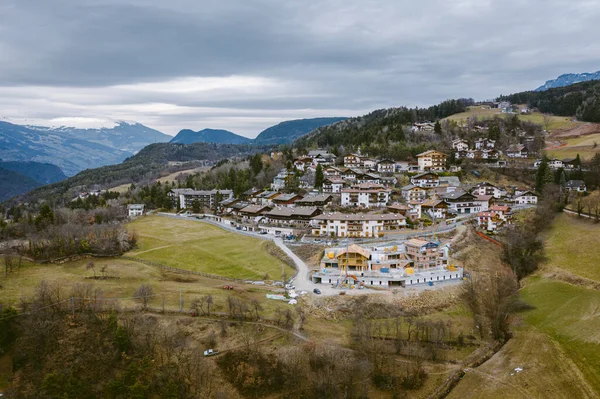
x=244 y=65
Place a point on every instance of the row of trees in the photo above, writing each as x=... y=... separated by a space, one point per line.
x=580 y=99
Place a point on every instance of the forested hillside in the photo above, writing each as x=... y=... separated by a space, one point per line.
x=287 y=132
x=14 y=183
x=379 y=128
x=44 y=173
x=581 y=100
x=144 y=166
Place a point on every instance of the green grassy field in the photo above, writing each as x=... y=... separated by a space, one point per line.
x=570 y=316
x=129 y=275
x=572 y=245
x=547 y=371
x=191 y=245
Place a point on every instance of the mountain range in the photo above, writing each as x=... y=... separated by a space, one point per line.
x=568 y=79
x=72 y=149
x=283 y=133
x=187 y=136
x=17 y=178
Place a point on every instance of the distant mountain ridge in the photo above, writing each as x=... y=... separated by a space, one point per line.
x=73 y=149
x=568 y=79
x=124 y=136
x=218 y=136
x=283 y=133
x=289 y=131
x=44 y=173
x=17 y=178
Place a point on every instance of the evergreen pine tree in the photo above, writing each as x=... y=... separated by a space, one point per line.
x=319 y=177
x=437 y=127
x=541 y=176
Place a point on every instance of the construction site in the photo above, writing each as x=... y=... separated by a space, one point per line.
x=388 y=265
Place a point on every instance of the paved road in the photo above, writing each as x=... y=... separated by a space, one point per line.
x=585 y=215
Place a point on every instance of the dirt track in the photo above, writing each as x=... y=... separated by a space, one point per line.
x=581 y=129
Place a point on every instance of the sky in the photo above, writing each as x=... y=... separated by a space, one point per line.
x=244 y=65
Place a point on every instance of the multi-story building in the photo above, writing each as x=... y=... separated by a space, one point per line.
x=366 y=195
x=354 y=161
x=387 y=265
x=486 y=188
x=300 y=216
x=426 y=254
x=462 y=203
x=357 y=224
x=135 y=210
x=431 y=160
x=319 y=200
x=526 y=198
x=386 y=166
x=427 y=179
x=186 y=197
x=333 y=186
x=413 y=193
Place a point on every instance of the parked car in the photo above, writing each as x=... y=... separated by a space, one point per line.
x=262 y=232
x=289 y=287
x=238 y=228
x=317 y=291
x=211 y=352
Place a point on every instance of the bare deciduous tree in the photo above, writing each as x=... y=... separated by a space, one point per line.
x=144 y=293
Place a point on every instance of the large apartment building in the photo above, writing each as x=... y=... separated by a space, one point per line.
x=357 y=224
x=366 y=195
x=431 y=160
x=185 y=197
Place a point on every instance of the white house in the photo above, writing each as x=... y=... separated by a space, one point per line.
x=517 y=151
x=135 y=210
x=460 y=145
x=575 y=185
x=333 y=186
x=486 y=188
x=428 y=179
x=526 y=198
x=484 y=143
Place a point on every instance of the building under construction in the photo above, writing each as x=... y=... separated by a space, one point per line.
x=395 y=264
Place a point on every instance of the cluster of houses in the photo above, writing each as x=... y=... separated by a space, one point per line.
x=387 y=265
x=361 y=198
x=482 y=148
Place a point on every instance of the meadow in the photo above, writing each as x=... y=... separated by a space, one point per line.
x=557 y=341
x=556 y=122
x=201 y=247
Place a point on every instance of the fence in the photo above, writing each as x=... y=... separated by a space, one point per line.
x=490 y=239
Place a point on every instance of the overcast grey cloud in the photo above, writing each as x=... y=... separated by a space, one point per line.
x=243 y=65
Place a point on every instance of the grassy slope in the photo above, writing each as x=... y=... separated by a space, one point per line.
x=536 y=117
x=547 y=371
x=131 y=275
x=571 y=245
x=570 y=315
x=558 y=342
x=188 y=244
x=584 y=146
